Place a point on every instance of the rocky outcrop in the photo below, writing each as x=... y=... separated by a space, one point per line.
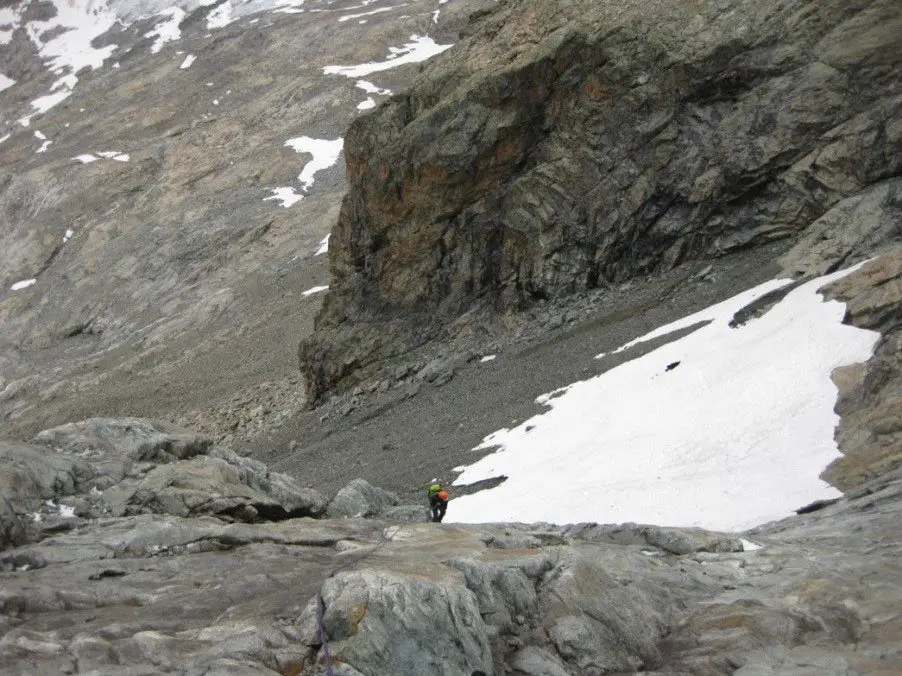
x=112 y=468
x=870 y=394
x=199 y=591
x=360 y=498
x=567 y=145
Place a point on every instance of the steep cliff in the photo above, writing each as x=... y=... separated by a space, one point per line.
x=568 y=145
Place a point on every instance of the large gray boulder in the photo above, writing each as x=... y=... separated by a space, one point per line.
x=380 y=622
x=406 y=514
x=360 y=498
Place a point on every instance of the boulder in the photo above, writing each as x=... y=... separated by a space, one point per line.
x=533 y=661
x=360 y=498
x=406 y=514
x=380 y=622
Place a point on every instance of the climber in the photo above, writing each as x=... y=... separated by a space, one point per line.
x=438 y=501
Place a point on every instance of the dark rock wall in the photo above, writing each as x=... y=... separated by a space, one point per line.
x=566 y=145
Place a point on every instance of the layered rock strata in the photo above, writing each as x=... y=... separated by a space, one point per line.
x=566 y=145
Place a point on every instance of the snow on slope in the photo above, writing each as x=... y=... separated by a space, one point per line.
x=325 y=154
x=418 y=49
x=733 y=436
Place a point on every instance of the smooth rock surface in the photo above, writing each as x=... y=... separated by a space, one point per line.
x=360 y=498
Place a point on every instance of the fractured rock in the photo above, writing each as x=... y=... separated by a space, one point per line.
x=360 y=498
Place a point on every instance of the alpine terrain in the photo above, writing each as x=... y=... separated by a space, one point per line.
x=624 y=277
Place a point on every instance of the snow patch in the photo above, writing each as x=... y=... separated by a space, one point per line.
x=186 y=64
x=68 y=235
x=115 y=155
x=370 y=88
x=8 y=17
x=325 y=154
x=323 y=246
x=4 y=138
x=286 y=195
x=366 y=104
x=24 y=284
x=44 y=146
x=167 y=31
x=313 y=290
x=68 y=50
x=105 y=154
x=748 y=546
x=5 y=82
x=348 y=17
x=221 y=16
x=419 y=49
x=734 y=436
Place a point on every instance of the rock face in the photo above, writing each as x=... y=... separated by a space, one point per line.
x=870 y=394
x=102 y=467
x=566 y=145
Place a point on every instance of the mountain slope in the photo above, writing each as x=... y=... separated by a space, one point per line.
x=179 y=284
x=567 y=146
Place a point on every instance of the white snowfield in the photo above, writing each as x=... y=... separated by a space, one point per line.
x=733 y=436
x=6 y=82
x=418 y=49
